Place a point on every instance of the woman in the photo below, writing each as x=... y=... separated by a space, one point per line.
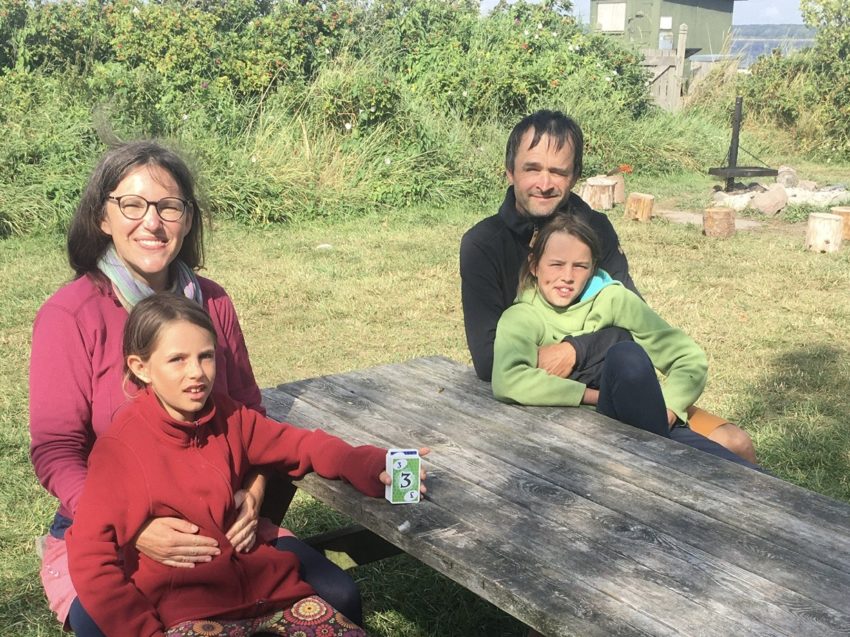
x=137 y=230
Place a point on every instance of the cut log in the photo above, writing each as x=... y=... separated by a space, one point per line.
x=639 y=206
x=619 y=187
x=718 y=222
x=598 y=192
x=844 y=213
x=824 y=231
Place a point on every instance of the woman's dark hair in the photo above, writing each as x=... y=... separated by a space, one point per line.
x=561 y=221
x=87 y=242
x=560 y=128
x=150 y=315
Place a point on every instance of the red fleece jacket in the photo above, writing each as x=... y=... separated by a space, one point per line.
x=149 y=465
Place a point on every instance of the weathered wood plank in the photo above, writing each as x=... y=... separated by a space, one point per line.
x=332 y=394
x=763 y=492
x=571 y=490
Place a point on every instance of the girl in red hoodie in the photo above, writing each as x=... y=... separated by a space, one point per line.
x=176 y=450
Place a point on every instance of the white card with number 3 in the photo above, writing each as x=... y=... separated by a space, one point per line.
x=403 y=468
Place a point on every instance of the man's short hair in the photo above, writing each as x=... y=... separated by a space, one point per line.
x=557 y=126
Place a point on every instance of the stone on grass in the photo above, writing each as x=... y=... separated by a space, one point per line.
x=787 y=177
x=732 y=200
x=823 y=198
x=771 y=201
x=805 y=184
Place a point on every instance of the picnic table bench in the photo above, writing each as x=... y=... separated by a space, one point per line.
x=576 y=524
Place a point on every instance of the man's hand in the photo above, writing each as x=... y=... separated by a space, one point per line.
x=557 y=359
x=591 y=397
x=175 y=542
x=243 y=533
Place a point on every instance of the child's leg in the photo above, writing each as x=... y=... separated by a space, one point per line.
x=311 y=615
x=697 y=441
x=211 y=627
x=328 y=580
x=629 y=390
x=81 y=623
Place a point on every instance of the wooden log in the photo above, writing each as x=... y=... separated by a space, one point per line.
x=598 y=192
x=718 y=222
x=824 y=231
x=619 y=187
x=639 y=206
x=844 y=213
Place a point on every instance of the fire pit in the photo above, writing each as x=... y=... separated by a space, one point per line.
x=730 y=172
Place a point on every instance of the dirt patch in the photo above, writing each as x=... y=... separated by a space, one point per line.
x=695 y=218
x=774 y=225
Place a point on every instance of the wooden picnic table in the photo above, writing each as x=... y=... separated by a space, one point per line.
x=579 y=525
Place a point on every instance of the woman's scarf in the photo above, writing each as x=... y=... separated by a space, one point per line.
x=131 y=290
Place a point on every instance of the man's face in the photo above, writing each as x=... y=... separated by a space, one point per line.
x=542 y=176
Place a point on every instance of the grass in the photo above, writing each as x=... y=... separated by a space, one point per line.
x=771 y=316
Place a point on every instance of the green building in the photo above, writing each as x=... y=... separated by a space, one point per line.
x=654 y=24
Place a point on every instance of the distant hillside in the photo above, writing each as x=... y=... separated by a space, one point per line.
x=752 y=40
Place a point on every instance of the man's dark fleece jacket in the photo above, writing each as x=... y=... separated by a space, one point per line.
x=491 y=253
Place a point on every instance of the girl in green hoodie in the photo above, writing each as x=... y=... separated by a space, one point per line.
x=561 y=294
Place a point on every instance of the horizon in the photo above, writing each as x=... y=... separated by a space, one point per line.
x=745 y=12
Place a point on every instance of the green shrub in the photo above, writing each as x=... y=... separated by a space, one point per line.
x=47 y=149
x=295 y=109
x=809 y=91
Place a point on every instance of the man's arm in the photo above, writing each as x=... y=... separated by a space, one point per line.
x=483 y=304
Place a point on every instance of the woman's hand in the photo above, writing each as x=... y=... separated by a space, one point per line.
x=671 y=418
x=243 y=533
x=387 y=480
x=175 y=542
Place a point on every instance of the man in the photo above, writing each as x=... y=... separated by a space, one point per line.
x=543 y=161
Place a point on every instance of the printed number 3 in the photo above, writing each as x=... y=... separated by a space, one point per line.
x=405 y=480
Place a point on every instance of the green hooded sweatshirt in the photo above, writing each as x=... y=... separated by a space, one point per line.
x=531 y=322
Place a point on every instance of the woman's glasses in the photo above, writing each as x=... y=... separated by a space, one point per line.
x=135 y=207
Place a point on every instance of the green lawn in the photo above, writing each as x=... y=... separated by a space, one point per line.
x=772 y=318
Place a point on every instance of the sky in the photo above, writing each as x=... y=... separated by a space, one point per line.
x=745 y=12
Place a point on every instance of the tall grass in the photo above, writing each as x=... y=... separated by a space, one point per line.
x=413 y=108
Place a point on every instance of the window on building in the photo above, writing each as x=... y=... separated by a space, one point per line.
x=611 y=16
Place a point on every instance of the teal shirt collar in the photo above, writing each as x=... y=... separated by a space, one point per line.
x=599 y=281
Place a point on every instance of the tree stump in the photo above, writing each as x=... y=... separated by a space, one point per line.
x=639 y=206
x=844 y=213
x=598 y=192
x=718 y=222
x=619 y=187
x=824 y=231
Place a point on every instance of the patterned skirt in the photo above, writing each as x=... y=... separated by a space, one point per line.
x=310 y=617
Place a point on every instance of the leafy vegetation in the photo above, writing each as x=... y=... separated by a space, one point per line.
x=295 y=110
x=809 y=91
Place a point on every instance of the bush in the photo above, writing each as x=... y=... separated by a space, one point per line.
x=305 y=108
x=809 y=91
x=47 y=148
